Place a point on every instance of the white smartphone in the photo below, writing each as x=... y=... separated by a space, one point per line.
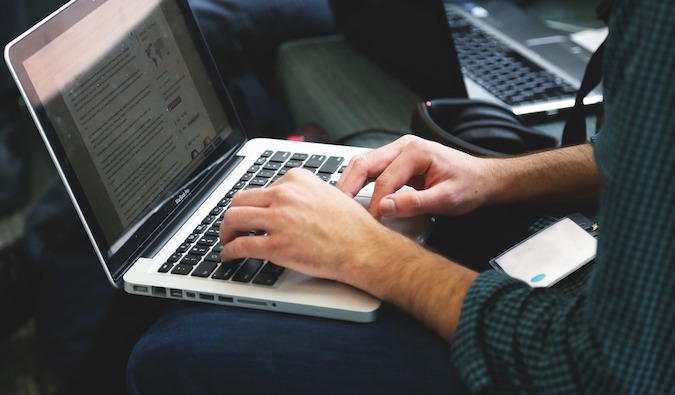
x=549 y=255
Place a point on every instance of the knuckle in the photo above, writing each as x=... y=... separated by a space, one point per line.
x=408 y=138
x=359 y=161
x=416 y=144
x=416 y=202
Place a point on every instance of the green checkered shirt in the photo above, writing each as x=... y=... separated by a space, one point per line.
x=614 y=334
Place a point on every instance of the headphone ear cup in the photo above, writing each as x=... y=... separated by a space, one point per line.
x=477 y=127
x=493 y=135
x=485 y=111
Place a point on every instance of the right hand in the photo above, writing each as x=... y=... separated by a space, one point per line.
x=447 y=181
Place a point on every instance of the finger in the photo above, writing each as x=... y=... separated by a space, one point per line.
x=410 y=203
x=259 y=197
x=367 y=166
x=243 y=219
x=399 y=173
x=245 y=247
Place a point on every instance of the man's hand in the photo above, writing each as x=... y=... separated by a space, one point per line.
x=447 y=181
x=310 y=226
x=451 y=182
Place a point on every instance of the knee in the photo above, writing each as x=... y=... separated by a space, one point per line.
x=154 y=366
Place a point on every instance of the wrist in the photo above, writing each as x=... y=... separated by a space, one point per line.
x=426 y=285
x=381 y=264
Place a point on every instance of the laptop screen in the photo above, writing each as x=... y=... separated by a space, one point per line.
x=130 y=109
x=408 y=38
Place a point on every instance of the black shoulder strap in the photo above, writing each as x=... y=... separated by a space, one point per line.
x=603 y=10
x=575 y=127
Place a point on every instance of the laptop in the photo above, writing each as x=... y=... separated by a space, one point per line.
x=484 y=49
x=509 y=56
x=148 y=144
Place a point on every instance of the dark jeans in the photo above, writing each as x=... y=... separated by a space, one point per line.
x=204 y=349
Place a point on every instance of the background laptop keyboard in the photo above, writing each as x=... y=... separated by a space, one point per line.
x=505 y=73
x=199 y=255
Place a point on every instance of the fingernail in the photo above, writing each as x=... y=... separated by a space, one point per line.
x=387 y=207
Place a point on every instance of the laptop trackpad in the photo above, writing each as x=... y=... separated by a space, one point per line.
x=417 y=228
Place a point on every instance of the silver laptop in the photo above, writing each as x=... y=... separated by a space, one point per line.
x=510 y=56
x=150 y=149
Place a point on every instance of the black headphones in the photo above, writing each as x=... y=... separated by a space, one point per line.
x=478 y=127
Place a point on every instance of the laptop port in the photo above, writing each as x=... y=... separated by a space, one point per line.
x=159 y=291
x=141 y=288
x=252 y=302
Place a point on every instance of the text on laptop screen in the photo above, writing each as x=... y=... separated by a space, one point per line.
x=135 y=115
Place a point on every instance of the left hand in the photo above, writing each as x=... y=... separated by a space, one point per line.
x=311 y=227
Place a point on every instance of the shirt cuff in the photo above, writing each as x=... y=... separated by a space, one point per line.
x=468 y=342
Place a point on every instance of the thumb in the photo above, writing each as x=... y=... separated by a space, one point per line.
x=401 y=204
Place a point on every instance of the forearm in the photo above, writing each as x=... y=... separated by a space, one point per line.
x=426 y=285
x=561 y=175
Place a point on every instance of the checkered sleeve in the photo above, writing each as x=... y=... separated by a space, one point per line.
x=615 y=335
x=516 y=339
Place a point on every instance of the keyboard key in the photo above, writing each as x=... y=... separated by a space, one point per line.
x=324 y=176
x=208 y=220
x=212 y=257
x=300 y=157
x=265 y=174
x=183 y=248
x=182 y=269
x=247 y=270
x=165 y=267
x=205 y=269
x=280 y=156
x=272 y=269
x=274 y=166
x=227 y=269
x=207 y=241
x=269 y=274
x=190 y=260
x=231 y=193
x=315 y=161
x=293 y=163
x=259 y=182
x=265 y=279
x=199 y=250
x=331 y=165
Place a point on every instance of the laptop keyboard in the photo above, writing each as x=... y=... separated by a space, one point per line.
x=508 y=75
x=199 y=255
